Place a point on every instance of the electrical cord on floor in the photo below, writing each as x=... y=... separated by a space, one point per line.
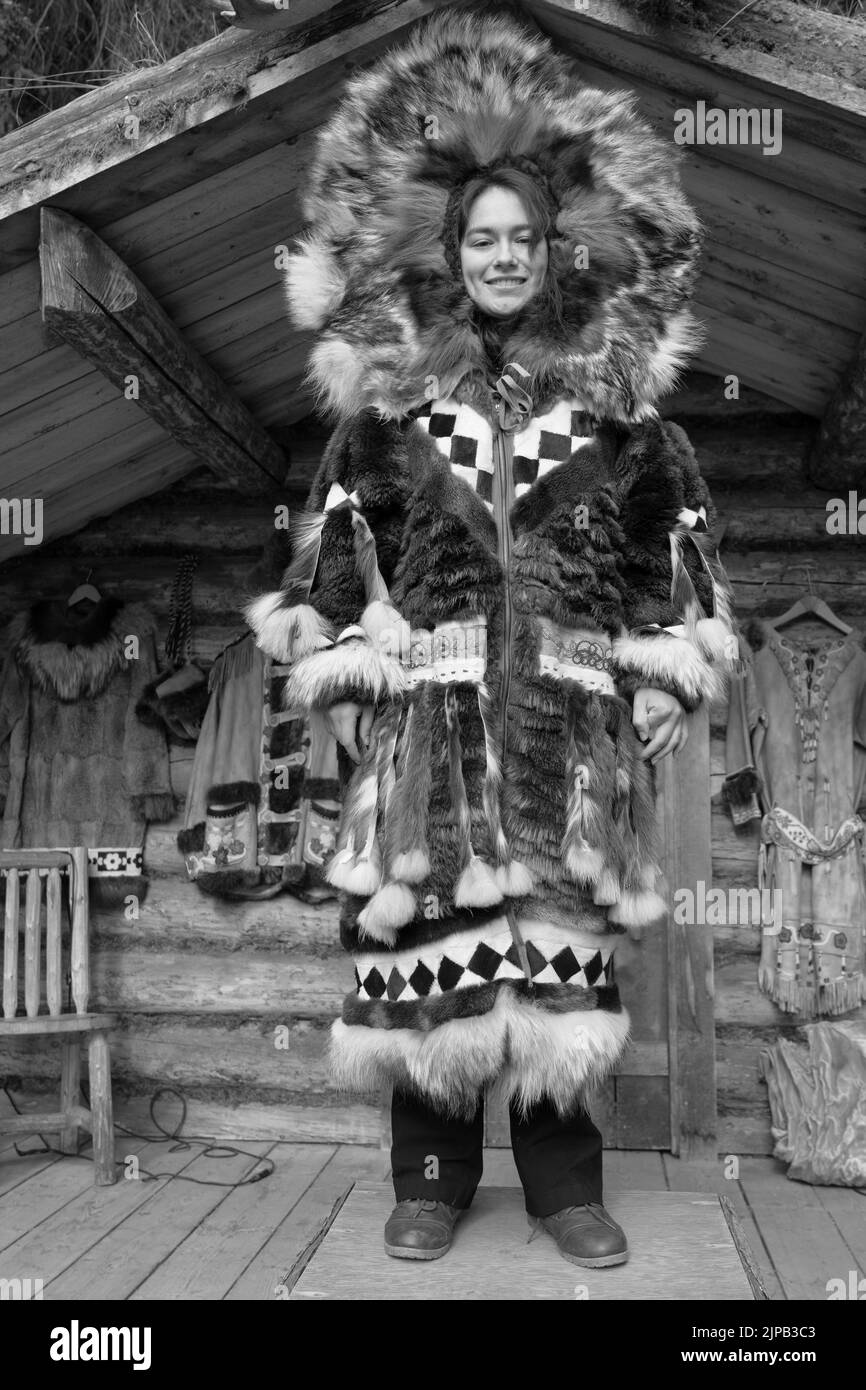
x=173 y=1137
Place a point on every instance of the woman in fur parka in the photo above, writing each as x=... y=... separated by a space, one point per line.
x=502 y=586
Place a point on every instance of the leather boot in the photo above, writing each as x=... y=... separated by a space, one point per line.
x=419 y=1229
x=585 y=1235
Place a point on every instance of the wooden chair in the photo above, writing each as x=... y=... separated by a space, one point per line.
x=52 y=866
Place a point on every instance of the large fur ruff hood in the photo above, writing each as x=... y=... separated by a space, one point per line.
x=68 y=655
x=468 y=92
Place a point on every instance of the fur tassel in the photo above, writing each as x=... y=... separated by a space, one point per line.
x=582 y=863
x=388 y=909
x=477 y=886
x=515 y=880
x=368 y=564
x=406 y=823
x=339 y=864
x=353 y=872
x=412 y=866
x=721 y=585
x=392 y=905
x=714 y=638
x=359 y=870
x=638 y=908
x=582 y=859
x=607 y=891
x=364 y=875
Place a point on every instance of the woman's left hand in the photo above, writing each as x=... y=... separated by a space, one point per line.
x=660 y=718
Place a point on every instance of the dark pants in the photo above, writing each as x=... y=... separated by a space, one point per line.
x=559 y=1161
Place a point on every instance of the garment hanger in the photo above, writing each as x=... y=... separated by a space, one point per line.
x=85 y=590
x=809 y=605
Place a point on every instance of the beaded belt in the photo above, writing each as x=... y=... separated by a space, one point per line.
x=453 y=651
x=573 y=654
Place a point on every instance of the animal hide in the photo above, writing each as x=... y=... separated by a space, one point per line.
x=77 y=766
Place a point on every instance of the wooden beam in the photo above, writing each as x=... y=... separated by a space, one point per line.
x=799 y=51
x=837 y=458
x=148 y=108
x=92 y=300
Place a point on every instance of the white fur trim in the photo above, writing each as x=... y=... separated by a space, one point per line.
x=287 y=634
x=531 y=1051
x=340 y=376
x=314 y=285
x=675 y=660
x=318 y=679
x=560 y=1055
x=683 y=337
x=386 y=629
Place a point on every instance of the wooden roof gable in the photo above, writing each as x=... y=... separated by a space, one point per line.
x=140 y=230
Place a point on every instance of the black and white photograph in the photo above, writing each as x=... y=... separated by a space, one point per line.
x=432 y=669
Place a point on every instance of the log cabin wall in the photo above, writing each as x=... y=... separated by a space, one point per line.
x=206 y=990
x=751 y=453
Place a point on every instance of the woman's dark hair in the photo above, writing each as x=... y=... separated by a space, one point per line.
x=538 y=211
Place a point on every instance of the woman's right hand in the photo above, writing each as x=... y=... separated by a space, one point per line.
x=342 y=721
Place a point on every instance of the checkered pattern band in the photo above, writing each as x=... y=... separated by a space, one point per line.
x=115 y=863
x=477 y=964
x=466 y=440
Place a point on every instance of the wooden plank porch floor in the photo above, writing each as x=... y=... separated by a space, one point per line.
x=165 y=1239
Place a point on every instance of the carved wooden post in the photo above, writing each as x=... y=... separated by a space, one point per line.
x=80 y=932
x=684 y=807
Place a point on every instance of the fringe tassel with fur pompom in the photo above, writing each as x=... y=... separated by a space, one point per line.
x=514 y=879
x=286 y=624
x=407 y=851
x=356 y=865
x=476 y=886
x=639 y=904
x=713 y=636
x=583 y=842
x=393 y=904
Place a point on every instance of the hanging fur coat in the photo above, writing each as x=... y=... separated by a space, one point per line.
x=497 y=567
x=77 y=766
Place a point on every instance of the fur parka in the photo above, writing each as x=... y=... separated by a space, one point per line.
x=496 y=567
x=77 y=765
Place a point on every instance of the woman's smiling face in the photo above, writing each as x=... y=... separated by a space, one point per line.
x=502 y=268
